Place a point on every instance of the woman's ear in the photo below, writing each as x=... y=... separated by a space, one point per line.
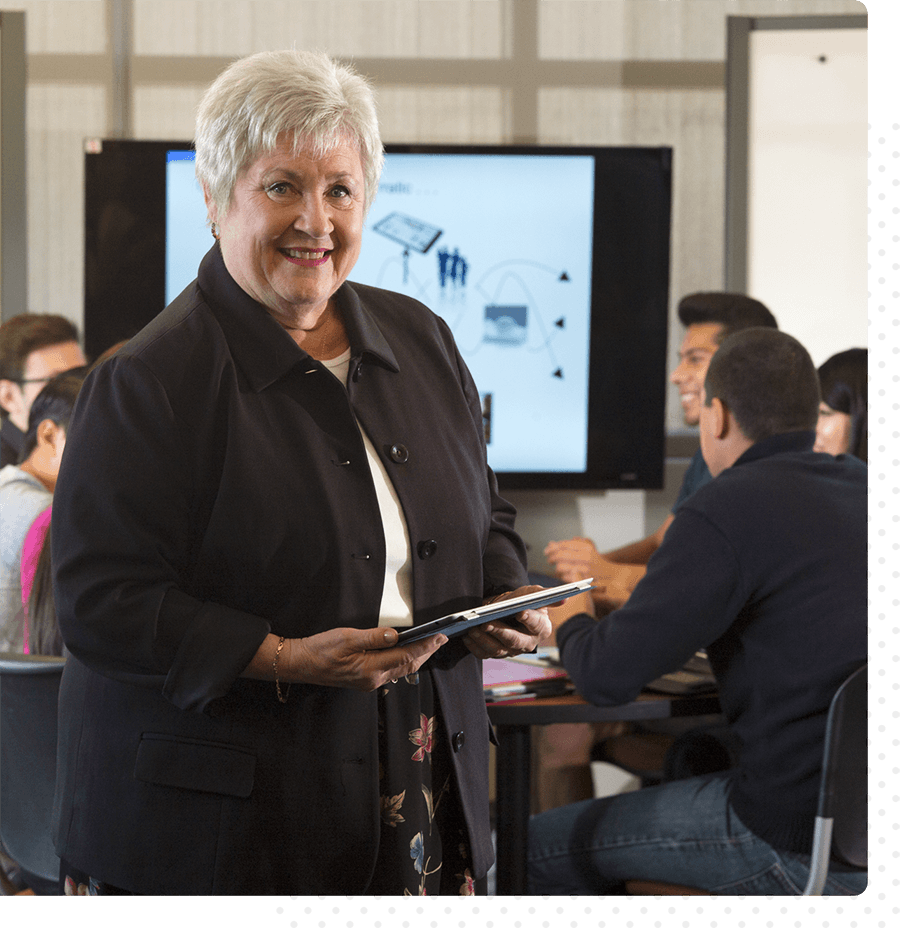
x=49 y=434
x=211 y=211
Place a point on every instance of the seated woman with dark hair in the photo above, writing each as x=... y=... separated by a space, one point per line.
x=26 y=490
x=42 y=634
x=842 y=425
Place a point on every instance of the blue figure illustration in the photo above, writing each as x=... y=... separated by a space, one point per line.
x=443 y=257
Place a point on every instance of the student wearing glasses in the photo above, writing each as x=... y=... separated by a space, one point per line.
x=33 y=349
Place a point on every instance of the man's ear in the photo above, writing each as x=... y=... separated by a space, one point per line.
x=10 y=396
x=721 y=416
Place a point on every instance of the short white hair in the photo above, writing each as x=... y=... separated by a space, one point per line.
x=259 y=99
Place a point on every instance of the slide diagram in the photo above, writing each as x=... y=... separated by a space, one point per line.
x=485 y=242
x=502 y=323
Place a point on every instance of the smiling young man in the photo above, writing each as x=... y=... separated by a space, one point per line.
x=765 y=567
x=708 y=318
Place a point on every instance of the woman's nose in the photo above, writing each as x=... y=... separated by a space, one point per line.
x=314 y=219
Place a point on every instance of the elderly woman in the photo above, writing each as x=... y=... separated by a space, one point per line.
x=844 y=385
x=259 y=489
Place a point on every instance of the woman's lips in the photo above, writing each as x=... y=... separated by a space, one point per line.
x=306 y=257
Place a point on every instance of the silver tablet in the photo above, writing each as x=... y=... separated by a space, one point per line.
x=458 y=623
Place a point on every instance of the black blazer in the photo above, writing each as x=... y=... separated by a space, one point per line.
x=215 y=487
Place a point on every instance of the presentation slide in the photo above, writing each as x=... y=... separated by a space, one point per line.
x=500 y=246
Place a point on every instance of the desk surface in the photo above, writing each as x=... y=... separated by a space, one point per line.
x=573 y=708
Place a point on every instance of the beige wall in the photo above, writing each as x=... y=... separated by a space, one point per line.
x=553 y=71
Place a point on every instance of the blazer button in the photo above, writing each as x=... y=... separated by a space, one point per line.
x=459 y=739
x=399 y=454
x=427 y=549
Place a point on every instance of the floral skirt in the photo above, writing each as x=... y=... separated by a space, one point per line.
x=423 y=847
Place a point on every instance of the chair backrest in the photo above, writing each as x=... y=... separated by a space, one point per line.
x=29 y=694
x=842 y=796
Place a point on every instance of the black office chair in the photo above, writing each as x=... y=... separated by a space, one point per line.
x=841 y=831
x=841 y=828
x=29 y=693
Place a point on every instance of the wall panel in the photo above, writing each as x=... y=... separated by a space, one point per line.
x=370 y=28
x=59 y=118
x=166 y=112
x=62 y=26
x=445 y=115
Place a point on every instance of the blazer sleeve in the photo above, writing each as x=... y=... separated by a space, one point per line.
x=127 y=518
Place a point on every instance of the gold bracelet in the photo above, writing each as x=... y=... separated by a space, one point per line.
x=282 y=697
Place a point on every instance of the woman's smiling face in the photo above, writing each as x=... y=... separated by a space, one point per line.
x=293 y=229
x=834 y=431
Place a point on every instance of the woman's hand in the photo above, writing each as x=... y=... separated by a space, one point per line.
x=497 y=639
x=361 y=659
x=355 y=658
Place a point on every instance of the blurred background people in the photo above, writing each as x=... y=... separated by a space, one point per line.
x=42 y=635
x=26 y=490
x=843 y=413
x=763 y=564
x=33 y=348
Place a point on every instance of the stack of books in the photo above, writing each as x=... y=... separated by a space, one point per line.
x=525 y=677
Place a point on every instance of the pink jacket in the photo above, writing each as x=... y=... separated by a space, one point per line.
x=31 y=551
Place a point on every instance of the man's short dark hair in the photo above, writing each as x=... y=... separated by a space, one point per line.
x=767 y=380
x=29 y=332
x=733 y=311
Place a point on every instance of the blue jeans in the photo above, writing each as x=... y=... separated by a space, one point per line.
x=682 y=832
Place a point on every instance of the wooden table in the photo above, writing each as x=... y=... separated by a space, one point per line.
x=513 y=721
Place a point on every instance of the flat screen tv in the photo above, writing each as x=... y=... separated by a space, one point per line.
x=550 y=264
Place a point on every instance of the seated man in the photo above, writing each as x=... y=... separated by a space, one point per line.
x=708 y=318
x=765 y=567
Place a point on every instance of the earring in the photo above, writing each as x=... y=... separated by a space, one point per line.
x=215 y=231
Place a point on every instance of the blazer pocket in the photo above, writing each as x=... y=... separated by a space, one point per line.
x=189 y=763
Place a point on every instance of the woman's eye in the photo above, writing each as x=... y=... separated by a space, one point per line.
x=278 y=189
x=339 y=190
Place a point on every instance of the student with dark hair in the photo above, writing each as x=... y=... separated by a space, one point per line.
x=26 y=490
x=843 y=422
x=33 y=348
x=42 y=634
x=708 y=318
x=765 y=568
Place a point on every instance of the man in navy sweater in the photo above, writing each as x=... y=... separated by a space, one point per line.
x=765 y=567
x=708 y=318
